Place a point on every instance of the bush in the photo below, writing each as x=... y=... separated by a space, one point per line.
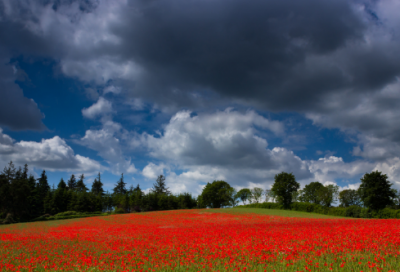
x=353 y=211
x=365 y=213
x=119 y=210
x=387 y=213
x=67 y=213
x=265 y=205
x=303 y=206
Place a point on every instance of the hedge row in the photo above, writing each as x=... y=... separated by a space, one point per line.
x=352 y=211
x=67 y=215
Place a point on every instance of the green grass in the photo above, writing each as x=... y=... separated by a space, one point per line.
x=275 y=213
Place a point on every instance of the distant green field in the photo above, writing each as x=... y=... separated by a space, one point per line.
x=274 y=212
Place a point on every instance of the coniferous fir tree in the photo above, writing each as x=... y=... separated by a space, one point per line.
x=160 y=187
x=80 y=185
x=120 y=188
x=97 y=186
x=72 y=183
x=62 y=184
x=43 y=189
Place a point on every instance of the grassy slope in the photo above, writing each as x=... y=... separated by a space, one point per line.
x=275 y=213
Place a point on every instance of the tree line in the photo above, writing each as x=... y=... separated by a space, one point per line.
x=24 y=198
x=375 y=193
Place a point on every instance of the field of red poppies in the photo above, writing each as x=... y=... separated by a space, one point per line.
x=198 y=240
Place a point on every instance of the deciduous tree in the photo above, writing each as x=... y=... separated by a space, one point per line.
x=285 y=184
x=310 y=192
x=375 y=191
x=257 y=194
x=244 y=195
x=216 y=194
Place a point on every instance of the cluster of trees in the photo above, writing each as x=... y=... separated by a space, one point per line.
x=23 y=198
x=375 y=193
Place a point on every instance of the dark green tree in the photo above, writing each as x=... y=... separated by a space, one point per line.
x=80 y=185
x=43 y=189
x=72 y=183
x=25 y=172
x=349 y=198
x=244 y=195
x=216 y=194
x=285 y=184
x=9 y=172
x=19 y=196
x=375 y=191
x=34 y=203
x=310 y=192
x=62 y=184
x=328 y=195
x=120 y=188
x=186 y=201
x=97 y=186
x=136 y=199
x=160 y=187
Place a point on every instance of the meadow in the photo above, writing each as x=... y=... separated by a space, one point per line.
x=203 y=240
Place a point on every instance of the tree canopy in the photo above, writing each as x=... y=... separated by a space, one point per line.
x=375 y=191
x=285 y=184
x=349 y=198
x=310 y=192
x=244 y=195
x=216 y=194
x=160 y=187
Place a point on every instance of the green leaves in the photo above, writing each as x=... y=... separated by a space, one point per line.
x=285 y=184
x=375 y=191
x=217 y=194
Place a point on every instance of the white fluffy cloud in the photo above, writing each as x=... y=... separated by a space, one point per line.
x=224 y=145
x=152 y=171
x=107 y=142
x=223 y=138
x=52 y=154
x=101 y=107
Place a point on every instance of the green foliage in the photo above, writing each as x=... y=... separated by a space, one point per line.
x=119 y=210
x=310 y=192
x=120 y=188
x=244 y=195
x=257 y=194
x=352 y=211
x=62 y=185
x=80 y=185
x=270 y=196
x=160 y=187
x=72 y=182
x=97 y=186
x=285 y=184
x=23 y=198
x=349 y=198
x=265 y=205
x=328 y=194
x=216 y=194
x=375 y=191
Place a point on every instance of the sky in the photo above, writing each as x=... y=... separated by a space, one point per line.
x=201 y=90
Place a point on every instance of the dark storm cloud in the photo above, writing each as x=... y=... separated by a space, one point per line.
x=250 y=50
x=321 y=58
x=17 y=112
